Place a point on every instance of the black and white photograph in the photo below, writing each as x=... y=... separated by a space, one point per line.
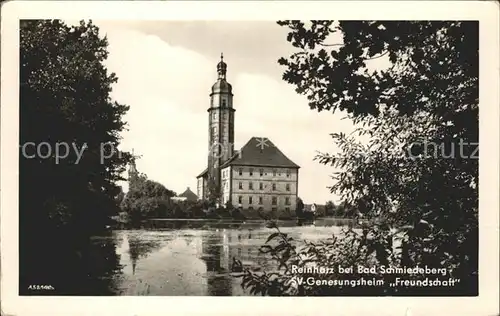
x=252 y=157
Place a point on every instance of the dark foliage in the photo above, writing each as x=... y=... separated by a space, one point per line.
x=65 y=99
x=427 y=94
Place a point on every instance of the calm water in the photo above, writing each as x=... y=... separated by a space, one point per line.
x=194 y=257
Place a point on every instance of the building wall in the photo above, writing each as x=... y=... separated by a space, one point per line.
x=251 y=180
x=201 y=187
x=226 y=184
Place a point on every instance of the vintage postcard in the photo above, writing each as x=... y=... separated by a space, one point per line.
x=159 y=155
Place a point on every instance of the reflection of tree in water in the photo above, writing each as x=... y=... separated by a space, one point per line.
x=188 y=239
x=90 y=267
x=139 y=247
x=101 y=265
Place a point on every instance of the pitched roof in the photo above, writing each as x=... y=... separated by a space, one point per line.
x=189 y=195
x=260 y=151
x=203 y=173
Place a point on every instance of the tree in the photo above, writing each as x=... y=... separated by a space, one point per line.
x=330 y=208
x=147 y=199
x=65 y=104
x=300 y=207
x=428 y=95
x=214 y=192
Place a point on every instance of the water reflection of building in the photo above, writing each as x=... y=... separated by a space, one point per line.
x=219 y=247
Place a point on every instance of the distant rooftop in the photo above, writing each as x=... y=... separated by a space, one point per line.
x=189 y=195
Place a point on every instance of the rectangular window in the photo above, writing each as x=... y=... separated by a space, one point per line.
x=240 y=171
x=214 y=115
x=250 y=200
x=274 y=172
x=224 y=115
x=274 y=209
x=288 y=186
x=240 y=185
x=274 y=186
x=224 y=102
x=261 y=186
x=287 y=201
x=251 y=172
x=240 y=198
x=261 y=171
x=275 y=200
x=287 y=209
x=260 y=199
x=250 y=185
x=288 y=173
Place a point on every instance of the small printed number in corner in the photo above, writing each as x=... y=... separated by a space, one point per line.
x=40 y=287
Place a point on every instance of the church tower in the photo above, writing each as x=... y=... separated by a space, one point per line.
x=221 y=124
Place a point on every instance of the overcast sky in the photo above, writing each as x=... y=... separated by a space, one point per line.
x=166 y=70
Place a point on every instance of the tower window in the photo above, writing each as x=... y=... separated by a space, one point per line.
x=214 y=130
x=224 y=115
x=214 y=115
x=224 y=103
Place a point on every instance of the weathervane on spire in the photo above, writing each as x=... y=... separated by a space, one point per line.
x=134 y=157
x=132 y=171
x=222 y=67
